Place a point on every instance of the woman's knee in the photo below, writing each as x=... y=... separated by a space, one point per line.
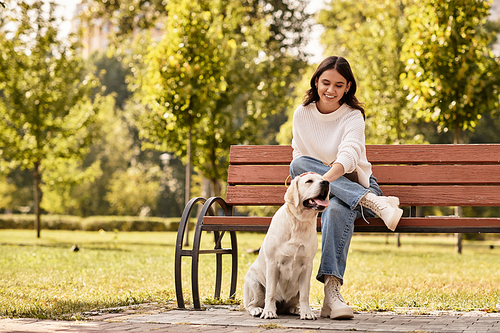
x=298 y=166
x=302 y=164
x=336 y=210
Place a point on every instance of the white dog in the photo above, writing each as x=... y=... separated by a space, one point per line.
x=280 y=277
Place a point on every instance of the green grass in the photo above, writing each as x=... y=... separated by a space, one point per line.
x=43 y=278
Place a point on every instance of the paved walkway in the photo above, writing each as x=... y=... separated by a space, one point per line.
x=226 y=319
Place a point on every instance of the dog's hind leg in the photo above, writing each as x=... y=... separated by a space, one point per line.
x=253 y=297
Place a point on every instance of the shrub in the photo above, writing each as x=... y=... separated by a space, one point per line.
x=93 y=223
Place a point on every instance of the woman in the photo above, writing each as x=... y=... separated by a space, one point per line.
x=329 y=138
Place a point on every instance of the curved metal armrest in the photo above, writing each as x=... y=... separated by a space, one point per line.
x=185 y=219
x=207 y=208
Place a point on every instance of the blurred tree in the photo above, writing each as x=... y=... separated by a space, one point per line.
x=370 y=35
x=187 y=77
x=112 y=76
x=114 y=154
x=134 y=191
x=125 y=16
x=6 y=191
x=43 y=94
x=258 y=81
x=452 y=76
x=212 y=74
x=285 y=136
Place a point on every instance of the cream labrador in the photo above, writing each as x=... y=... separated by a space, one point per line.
x=280 y=277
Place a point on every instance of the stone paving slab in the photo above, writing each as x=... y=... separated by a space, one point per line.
x=225 y=319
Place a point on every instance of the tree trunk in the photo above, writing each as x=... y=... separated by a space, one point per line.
x=188 y=180
x=37 y=197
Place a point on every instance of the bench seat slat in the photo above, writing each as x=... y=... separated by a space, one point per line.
x=443 y=224
x=381 y=154
x=408 y=195
x=386 y=174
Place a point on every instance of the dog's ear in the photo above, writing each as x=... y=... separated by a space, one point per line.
x=292 y=194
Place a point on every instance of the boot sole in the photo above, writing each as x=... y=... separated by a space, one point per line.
x=393 y=223
x=346 y=313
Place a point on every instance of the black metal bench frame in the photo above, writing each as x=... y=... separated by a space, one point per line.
x=484 y=160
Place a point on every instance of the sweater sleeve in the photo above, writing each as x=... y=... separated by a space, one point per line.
x=352 y=146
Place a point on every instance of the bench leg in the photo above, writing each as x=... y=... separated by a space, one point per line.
x=218 y=264
x=195 y=257
x=195 y=252
x=234 y=269
x=234 y=264
x=180 y=252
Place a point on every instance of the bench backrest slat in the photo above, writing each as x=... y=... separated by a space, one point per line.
x=408 y=195
x=433 y=154
x=420 y=175
x=260 y=154
x=381 y=154
x=386 y=174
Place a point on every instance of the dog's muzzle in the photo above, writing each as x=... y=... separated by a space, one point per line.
x=321 y=201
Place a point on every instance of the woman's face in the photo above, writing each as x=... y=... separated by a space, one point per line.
x=331 y=88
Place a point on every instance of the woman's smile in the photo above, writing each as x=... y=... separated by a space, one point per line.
x=331 y=88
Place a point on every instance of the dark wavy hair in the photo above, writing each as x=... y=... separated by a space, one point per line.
x=343 y=67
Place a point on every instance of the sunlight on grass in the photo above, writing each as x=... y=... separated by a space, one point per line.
x=43 y=278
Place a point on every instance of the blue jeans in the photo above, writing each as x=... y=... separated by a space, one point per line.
x=337 y=221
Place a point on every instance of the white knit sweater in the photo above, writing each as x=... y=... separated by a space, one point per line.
x=337 y=137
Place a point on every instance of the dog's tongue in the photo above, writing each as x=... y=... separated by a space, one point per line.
x=320 y=202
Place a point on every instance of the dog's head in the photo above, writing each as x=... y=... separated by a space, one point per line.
x=309 y=190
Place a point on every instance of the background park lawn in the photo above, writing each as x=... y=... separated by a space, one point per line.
x=43 y=278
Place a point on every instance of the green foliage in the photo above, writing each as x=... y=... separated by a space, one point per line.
x=370 y=35
x=188 y=83
x=134 y=192
x=285 y=136
x=452 y=76
x=112 y=75
x=217 y=73
x=91 y=223
x=43 y=92
x=61 y=178
x=51 y=222
x=6 y=191
x=126 y=15
x=44 y=88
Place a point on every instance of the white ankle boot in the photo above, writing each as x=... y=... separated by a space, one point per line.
x=334 y=305
x=385 y=207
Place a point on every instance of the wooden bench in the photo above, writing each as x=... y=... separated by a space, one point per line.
x=420 y=175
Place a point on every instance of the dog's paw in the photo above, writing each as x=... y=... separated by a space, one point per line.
x=268 y=314
x=307 y=315
x=295 y=310
x=255 y=311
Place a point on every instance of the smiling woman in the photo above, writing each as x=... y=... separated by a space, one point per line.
x=329 y=138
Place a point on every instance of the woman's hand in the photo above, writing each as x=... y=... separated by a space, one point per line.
x=334 y=173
